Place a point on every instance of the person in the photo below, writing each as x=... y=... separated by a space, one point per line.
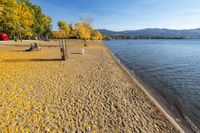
x=31 y=48
x=34 y=47
x=16 y=39
x=37 y=46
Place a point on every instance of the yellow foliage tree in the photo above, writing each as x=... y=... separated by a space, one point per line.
x=26 y=32
x=64 y=28
x=7 y=15
x=55 y=35
x=59 y=35
x=96 y=35
x=84 y=30
x=23 y=17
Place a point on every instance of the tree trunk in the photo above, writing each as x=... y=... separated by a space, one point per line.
x=85 y=42
x=20 y=36
x=14 y=38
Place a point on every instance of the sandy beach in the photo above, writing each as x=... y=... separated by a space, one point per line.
x=87 y=93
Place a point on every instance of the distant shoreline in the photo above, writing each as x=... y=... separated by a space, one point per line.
x=153 y=33
x=154 y=39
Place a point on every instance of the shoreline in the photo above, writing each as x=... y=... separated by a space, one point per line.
x=174 y=117
x=88 y=93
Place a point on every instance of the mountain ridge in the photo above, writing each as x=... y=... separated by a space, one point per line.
x=154 y=33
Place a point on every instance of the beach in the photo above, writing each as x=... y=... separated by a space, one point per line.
x=85 y=93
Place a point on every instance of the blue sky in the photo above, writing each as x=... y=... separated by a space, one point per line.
x=120 y=15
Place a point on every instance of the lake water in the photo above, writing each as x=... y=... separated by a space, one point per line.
x=172 y=67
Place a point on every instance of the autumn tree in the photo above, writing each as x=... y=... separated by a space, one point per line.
x=42 y=23
x=47 y=26
x=7 y=16
x=24 y=19
x=64 y=28
x=15 y=18
x=20 y=17
x=74 y=34
x=84 y=31
x=96 y=35
x=59 y=34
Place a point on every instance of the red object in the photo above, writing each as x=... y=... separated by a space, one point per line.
x=3 y=36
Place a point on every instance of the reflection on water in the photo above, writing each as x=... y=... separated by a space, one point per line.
x=172 y=67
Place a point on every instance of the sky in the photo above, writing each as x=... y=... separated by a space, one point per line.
x=118 y=15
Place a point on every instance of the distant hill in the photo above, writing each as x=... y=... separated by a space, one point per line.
x=154 y=33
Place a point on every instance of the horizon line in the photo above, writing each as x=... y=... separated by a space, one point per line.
x=149 y=28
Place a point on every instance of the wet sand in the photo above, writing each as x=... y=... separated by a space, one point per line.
x=86 y=93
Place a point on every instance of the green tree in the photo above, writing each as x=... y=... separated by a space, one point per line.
x=64 y=27
x=42 y=24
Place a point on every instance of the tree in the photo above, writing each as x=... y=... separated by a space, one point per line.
x=42 y=23
x=23 y=17
x=20 y=17
x=96 y=35
x=27 y=33
x=64 y=27
x=84 y=30
x=74 y=34
x=15 y=17
x=59 y=34
x=7 y=16
x=46 y=21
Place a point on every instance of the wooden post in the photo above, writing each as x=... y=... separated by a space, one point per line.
x=63 y=49
x=66 y=49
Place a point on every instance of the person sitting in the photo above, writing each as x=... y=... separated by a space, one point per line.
x=34 y=47
x=31 y=48
x=37 y=47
